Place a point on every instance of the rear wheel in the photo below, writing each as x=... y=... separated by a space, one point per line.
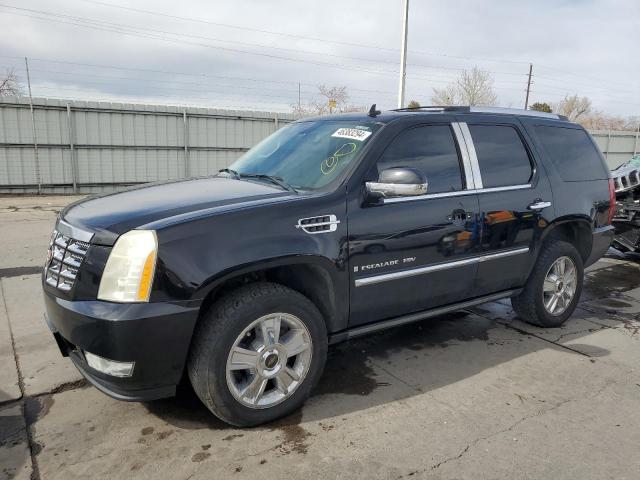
x=553 y=289
x=257 y=354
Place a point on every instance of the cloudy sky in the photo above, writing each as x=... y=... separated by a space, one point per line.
x=258 y=55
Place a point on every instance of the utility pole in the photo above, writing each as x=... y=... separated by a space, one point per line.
x=33 y=127
x=403 y=55
x=526 y=100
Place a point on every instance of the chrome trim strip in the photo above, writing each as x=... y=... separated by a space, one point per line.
x=473 y=157
x=427 y=196
x=385 y=277
x=466 y=161
x=455 y=194
x=505 y=253
x=504 y=189
x=73 y=232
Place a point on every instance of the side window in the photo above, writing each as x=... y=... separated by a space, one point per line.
x=502 y=157
x=572 y=152
x=431 y=149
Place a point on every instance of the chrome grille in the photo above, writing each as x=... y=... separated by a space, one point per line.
x=63 y=260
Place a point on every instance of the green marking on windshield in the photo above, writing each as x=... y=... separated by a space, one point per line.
x=328 y=165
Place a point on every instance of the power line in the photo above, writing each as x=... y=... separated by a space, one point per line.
x=596 y=79
x=573 y=84
x=143 y=32
x=111 y=77
x=226 y=49
x=384 y=93
x=566 y=91
x=291 y=94
x=169 y=72
x=204 y=76
x=148 y=100
x=136 y=31
x=290 y=35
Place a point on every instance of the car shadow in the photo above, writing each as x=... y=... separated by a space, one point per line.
x=358 y=374
x=13 y=436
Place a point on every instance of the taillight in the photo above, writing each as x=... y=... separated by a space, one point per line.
x=612 y=201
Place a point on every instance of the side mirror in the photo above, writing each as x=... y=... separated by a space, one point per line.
x=398 y=182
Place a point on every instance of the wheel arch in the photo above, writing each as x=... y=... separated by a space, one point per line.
x=313 y=276
x=576 y=230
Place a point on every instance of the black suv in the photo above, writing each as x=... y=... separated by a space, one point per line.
x=329 y=229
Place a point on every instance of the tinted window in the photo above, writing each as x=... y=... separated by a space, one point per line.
x=430 y=149
x=502 y=157
x=310 y=154
x=572 y=152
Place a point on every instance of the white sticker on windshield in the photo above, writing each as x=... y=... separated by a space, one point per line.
x=352 y=134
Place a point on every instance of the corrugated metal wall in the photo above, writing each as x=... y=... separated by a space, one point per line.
x=96 y=146
x=617 y=147
x=92 y=147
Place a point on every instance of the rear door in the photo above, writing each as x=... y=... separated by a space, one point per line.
x=515 y=200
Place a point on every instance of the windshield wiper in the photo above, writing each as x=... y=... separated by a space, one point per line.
x=273 y=179
x=228 y=170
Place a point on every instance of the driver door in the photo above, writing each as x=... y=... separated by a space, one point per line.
x=408 y=254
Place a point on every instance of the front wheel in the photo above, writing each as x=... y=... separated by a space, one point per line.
x=257 y=353
x=553 y=289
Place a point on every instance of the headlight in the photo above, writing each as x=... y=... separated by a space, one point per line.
x=128 y=275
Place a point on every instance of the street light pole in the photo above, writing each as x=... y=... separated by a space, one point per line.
x=403 y=55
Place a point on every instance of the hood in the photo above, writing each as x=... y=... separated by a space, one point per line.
x=118 y=213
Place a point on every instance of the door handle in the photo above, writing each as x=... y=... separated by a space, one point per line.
x=539 y=205
x=458 y=215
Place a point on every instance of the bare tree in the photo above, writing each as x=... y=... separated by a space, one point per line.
x=473 y=87
x=573 y=107
x=9 y=84
x=413 y=104
x=329 y=100
x=596 y=120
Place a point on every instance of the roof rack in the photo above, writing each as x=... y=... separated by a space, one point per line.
x=496 y=110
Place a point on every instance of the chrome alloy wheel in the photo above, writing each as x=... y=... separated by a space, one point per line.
x=559 y=286
x=269 y=360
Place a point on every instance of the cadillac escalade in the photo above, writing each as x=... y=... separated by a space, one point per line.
x=329 y=229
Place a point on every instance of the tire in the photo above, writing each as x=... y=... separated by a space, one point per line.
x=530 y=303
x=226 y=323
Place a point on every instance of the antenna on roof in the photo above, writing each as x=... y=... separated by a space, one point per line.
x=373 y=112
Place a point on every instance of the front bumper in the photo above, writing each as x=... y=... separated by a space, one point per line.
x=602 y=238
x=156 y=336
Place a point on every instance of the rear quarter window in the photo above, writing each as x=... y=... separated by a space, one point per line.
x=573 y=153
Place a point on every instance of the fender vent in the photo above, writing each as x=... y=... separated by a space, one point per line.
x=321 y=224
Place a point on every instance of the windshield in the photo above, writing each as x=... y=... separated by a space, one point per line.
x=307 y=155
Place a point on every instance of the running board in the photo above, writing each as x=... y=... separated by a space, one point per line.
x=416 y=317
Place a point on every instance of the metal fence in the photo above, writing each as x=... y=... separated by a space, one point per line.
x=91 y=147
x=617 y=147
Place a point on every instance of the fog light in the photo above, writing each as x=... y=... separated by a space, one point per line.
x=110 y=367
